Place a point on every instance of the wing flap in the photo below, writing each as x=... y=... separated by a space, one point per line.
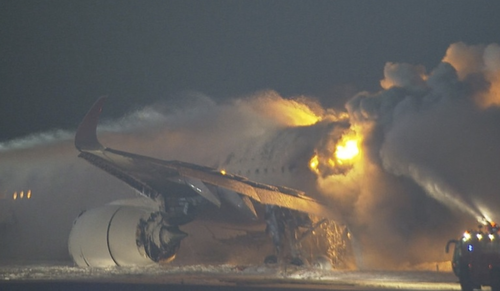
x=221 y=181
x=202 y=189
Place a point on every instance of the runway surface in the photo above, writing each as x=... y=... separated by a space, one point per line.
x=56 y=276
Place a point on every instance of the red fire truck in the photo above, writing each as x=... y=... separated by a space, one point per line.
x=476 y=258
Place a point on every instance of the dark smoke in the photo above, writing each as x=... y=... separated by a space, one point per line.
x=441 y=131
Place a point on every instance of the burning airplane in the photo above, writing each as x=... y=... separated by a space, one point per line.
x=405 y=168
x=135 y=232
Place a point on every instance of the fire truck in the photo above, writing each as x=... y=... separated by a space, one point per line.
x=476 y=258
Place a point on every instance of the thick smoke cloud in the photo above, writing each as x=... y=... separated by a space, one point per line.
x=439 y=131
x=427 y=169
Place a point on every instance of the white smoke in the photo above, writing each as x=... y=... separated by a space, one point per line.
x=34 y=140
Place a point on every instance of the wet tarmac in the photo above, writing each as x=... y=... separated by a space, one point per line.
x=220 y=277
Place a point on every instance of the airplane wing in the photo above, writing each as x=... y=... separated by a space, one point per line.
x=153 y=177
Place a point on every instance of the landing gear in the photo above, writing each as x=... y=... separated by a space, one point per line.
x=322 y=263
x=297 y=261
x=271 y=260
x=287 y=225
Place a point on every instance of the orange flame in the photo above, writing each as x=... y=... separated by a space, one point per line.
x=347 y=150
x=344 y=155
x=314 y=163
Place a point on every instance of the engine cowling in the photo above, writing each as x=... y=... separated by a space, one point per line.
x=122 y=235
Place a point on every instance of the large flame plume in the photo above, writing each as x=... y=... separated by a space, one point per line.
x=340 y=158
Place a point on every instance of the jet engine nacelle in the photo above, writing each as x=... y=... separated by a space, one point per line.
x=122 y=235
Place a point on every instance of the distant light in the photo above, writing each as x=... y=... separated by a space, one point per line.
x=467 y=236
x=21 y=195
x=492 y=237
x=479 y=236
x=223 y=172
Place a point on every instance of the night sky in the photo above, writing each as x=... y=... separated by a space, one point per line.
x=58 y=57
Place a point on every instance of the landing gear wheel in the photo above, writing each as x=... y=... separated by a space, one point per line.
x=271 y=259
x=297 y=261
x=322 y=263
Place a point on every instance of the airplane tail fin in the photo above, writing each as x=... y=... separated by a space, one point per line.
x=86 y=137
